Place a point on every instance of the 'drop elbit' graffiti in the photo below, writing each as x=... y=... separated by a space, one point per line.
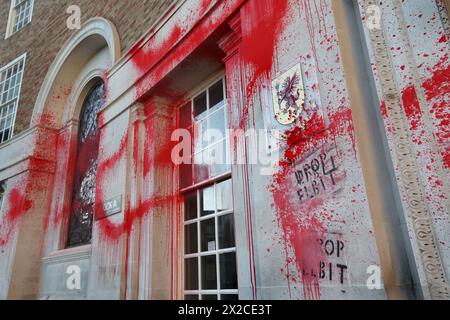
x=335 y=268
x=332 y=267
x=317 y=175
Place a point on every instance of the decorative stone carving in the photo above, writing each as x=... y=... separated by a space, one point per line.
x=444 y=16
x=409 y=171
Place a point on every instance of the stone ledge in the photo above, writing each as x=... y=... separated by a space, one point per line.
x=68 y=255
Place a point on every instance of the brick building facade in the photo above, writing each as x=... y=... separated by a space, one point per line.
x=225 y=149
x=45 y=35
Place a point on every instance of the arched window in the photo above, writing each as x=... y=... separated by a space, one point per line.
x=83 y=196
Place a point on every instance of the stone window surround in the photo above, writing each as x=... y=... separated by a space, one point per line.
x=197 y=188
x=55 y=251
x=16 y=99
x=55 y=247
x=12 y=16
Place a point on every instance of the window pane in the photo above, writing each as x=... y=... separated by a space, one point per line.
x=224 y=196
x=209 y=297
x=220 y=159
x=191 y=274
x=228 y=275
x=216 y=93
x=200 y=106
x=215 y=157
x=200 y=135
x=201 y=169
x=208 y=236
x=229 y=297
x=217 y=121
x=226 y=231
x=190 y=238
x=209 y=273
x=6 y=134
x=190 y=206
x=191 y=297
x=207 y=201
x=9 y=121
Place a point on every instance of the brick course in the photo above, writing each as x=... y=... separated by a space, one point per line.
x=43 y=38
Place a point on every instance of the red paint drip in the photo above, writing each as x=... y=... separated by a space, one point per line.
x=301 y=229
x=260 y=38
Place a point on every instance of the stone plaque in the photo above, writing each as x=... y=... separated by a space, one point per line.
x=111 y=207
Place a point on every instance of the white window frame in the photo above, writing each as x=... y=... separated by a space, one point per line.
x=13 y=14
x=197 y=188
x=205 y=87
x=216 y=253
x=16 y=99
x=221 y=107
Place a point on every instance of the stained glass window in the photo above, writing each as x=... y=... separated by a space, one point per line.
x=83 y=197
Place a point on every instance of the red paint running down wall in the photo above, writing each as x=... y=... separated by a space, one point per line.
x=263 y=23
x=65 y=170
x=156 y=159
x=301 y=229
x=17 y=200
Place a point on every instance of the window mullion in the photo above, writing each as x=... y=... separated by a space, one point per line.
x=217 y=241
x=192 y=142
x=199 y=262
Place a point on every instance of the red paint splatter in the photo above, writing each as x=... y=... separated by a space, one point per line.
x=411 y=106
x=301 y=229
x=147 y=56
x=18 y=206
x=383 y=109
x=263 y=17
x=437 y=91
x=156 y=58
x=65 y=155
